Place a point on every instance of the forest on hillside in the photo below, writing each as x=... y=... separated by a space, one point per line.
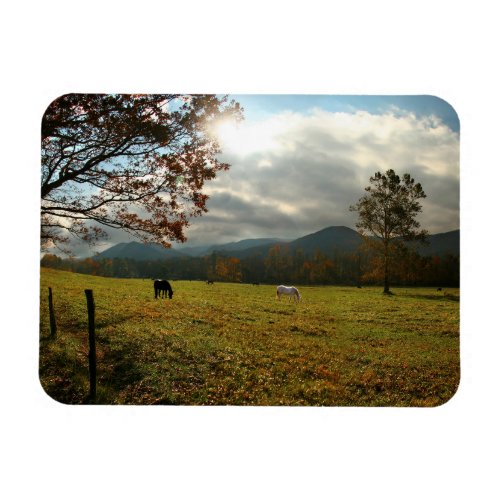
x=280 y=265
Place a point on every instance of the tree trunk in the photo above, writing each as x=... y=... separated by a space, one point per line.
x=52 y=316
x=92 y=346
x=386 y=267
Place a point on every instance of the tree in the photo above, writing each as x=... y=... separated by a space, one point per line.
x=49 y=260
x=387 y=215
x=132 y=162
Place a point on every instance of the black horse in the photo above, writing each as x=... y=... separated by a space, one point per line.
x=162 y=286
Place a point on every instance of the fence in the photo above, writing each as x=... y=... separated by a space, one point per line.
x=92 y=343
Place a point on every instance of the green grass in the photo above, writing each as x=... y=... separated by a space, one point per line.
x=235 y=344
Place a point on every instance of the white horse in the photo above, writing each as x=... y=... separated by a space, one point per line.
x=291 y=291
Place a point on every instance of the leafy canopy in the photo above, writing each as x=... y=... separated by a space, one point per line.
x=387 y=217
x=390 y=207
x=131 y=162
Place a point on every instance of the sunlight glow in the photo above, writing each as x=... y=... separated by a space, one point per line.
x=244 y=139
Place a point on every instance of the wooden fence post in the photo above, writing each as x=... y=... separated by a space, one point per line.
x=52 y=316
x=92 y=350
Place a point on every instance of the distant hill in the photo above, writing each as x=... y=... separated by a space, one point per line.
x=328 y=241
x=246 y=248
x=197 y=251
x=343 y=239
x=247 y=244
x=230 y=248
x=440 y=244
x=334 y=238
x=139 y=251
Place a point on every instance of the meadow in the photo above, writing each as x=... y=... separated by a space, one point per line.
x=235 y=344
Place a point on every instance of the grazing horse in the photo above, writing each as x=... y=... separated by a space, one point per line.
x=162 y=286
x=291 y=291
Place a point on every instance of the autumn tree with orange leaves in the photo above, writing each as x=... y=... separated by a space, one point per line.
x=132 y=162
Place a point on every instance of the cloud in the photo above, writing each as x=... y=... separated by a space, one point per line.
x=296 y=173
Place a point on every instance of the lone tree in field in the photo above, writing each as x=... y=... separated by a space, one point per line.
x=387 y=215
x=131 y=162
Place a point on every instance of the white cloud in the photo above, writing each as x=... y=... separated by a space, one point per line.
x=292 y=173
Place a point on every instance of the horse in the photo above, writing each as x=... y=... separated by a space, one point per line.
x=291 y=291
x=162 y=286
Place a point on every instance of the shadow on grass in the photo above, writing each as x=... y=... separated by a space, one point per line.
x=64 y=380
x=120 y=368
x=46 y=339
x=441 y=298
x=114 y=320
x=72 y=326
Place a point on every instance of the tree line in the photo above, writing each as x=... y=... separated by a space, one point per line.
x=280 y=265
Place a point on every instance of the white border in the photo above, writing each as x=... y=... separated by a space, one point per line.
x=51 y=450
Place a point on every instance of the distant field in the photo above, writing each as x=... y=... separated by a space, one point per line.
x=234 y=344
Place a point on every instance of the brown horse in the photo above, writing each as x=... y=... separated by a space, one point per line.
x=161 y=287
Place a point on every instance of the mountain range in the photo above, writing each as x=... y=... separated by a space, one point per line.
x=329 y=240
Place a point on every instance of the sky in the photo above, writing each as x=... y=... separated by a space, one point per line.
x=299 y=161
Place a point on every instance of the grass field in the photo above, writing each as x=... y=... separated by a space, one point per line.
x=234 y=344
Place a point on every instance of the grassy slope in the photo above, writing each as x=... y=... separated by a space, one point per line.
x=235 y=344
